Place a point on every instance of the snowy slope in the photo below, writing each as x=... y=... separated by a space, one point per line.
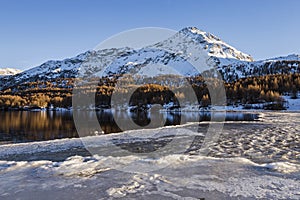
x=67 y=68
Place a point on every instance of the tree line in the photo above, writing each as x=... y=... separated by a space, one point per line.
x=249 y=90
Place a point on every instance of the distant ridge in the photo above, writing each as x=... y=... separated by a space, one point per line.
x=9 y=71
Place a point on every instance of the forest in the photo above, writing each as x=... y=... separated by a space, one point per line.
x=246 y=91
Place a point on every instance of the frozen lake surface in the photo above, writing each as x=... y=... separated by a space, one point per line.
x=248 y=160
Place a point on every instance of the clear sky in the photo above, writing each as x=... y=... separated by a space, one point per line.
x=34 y=31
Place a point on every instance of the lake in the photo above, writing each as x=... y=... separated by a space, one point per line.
x=27 y=126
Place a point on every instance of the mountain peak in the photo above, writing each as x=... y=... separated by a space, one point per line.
x=214 y=45
x=194 y=31
x=191 y=29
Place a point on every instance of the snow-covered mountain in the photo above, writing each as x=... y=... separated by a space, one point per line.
x=9 y=71
x=214 y=46
x=183 y=51
x=241 y=69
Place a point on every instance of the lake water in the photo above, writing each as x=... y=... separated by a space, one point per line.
x=26 y=126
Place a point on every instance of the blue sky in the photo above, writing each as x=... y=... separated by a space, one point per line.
x=32 y=32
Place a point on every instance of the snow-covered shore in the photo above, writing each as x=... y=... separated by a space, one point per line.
x=190 y=177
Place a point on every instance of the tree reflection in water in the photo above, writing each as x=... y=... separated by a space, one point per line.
x=24 y=126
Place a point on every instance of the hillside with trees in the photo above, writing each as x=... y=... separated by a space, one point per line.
x=246 y=91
